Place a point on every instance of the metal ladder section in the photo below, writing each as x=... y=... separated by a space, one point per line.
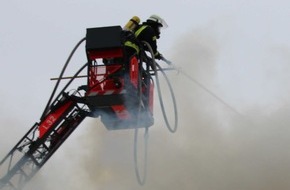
x=38 y=145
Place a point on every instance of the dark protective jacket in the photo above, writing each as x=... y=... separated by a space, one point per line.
x=146 y=33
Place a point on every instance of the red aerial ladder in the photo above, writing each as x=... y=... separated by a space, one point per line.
x=119 y=91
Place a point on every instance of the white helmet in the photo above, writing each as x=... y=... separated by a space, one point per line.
x=157 y=19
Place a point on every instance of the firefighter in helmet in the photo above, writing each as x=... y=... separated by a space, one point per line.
x=148 y=31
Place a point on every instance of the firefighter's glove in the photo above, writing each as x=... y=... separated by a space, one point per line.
x=158 y=56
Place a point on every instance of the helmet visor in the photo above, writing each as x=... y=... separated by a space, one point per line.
x=159 y=20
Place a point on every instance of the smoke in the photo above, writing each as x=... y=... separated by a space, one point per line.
x=214 y=147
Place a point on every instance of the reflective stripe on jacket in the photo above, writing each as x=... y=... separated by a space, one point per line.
x=137 y=33
x=132 y=45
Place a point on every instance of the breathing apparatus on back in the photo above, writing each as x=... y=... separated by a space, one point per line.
x=132 y=24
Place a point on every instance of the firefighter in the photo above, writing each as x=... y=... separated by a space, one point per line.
x=149 y=32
